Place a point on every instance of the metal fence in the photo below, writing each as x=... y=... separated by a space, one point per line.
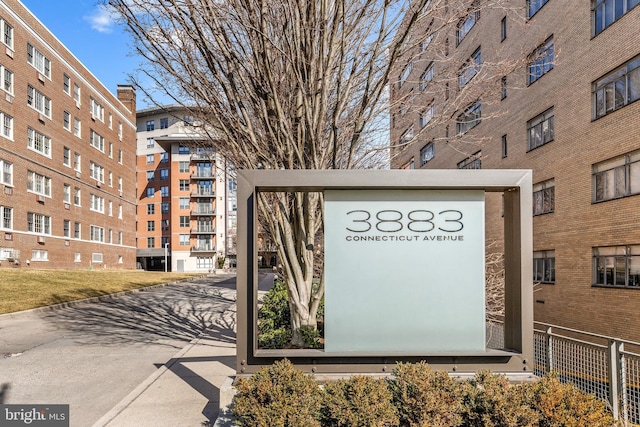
x=606 y=367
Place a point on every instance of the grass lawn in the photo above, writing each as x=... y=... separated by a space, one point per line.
x=22 y=289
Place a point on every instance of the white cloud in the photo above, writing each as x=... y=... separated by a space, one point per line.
x=102 y=19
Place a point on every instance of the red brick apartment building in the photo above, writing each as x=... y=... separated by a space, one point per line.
x=547 y=85
x=186 y=195
x=67 y=155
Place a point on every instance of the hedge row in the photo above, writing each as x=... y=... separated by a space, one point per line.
x=415 y=396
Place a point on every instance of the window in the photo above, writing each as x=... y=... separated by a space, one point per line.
x=466 y=24
x=184 y=203
x=164 y=157
x=39 y=255
x=151 y=209
x=427 y=41
x=150 y=143
x=66 y=84
x=544 y=197
x=151 y=192
x=7 y=33
x=77 y=257
x=151 y=242
x=183 y=149
x=38 y=223
x=77 y=229
x=427 y=153
x=97 y=203
x=407 y=136
x=110 y=208
x=66 y=121
x=77 y=127
x=184 y=240
x=38 y=61
x=164 y=191
x=6 y=172
x=96 y=141
x=534 y=6
x=427 y=115
x=66 y=193
x=470 y=68
x=164 y=123
x=77 y=162
x=617 y=266
x=204 y=262
x=150 y=125
x=96 y=172
x=184 y=185
x=540 y=61
x=540 y=129
x=544 y=266
x=66 y=228
x=165 y=225
x=151 y=225
x=7 y=125
x=96 y=233
x=119 y=237
x=150 y=159
x=97 y=110
x=617 y=89
x=38 y=184
x=426 y=77
x=7 y=80
x=470 y=118
x=503 y=29
x=119 y=211
x=76 y=196
x=150 y=175
x=404 y=75
x=164 y=207
x=38 y=101
x=617 y=177
x=504 y=146
x=164 y=174
x=76 y=93
x=183 y=167
x=606 y=12
x=6 y=217
x=120 y=184
x=184 y=221
x=472 y=162
x=503 y=87
x=110 y=121
x=110 y=179
x=38 y=142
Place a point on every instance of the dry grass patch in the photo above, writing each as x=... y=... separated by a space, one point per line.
x=23 y=289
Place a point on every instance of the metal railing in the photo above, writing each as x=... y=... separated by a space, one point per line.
x=604 y=366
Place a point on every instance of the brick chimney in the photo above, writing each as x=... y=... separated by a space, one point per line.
x=127 y=95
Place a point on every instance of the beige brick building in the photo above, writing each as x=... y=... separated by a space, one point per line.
x=547 y=85
x=67 y=155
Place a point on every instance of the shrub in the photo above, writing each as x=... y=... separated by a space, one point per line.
x=425 y=397
x=274 y=329
x=490 y=400
x=277 y=396
x=358 y=402
x=564 y=405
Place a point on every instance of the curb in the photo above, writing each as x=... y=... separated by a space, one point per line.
x=94 y=299
x=140 y=389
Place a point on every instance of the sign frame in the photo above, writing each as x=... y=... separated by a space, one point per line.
x=516 y=359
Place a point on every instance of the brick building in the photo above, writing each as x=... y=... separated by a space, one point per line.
x=547 y=85
x=186 y=195
x=67 y=145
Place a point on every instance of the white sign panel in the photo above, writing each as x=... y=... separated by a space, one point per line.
x=404 y=271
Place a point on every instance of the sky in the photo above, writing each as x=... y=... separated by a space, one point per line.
x=87 y=30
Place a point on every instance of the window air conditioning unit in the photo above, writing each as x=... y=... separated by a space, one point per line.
x=41 y=77
x=40 y=198
x=41 y=117
x=41 y=239
x=77 y=174
x=66 y=243
x=66 y=206
x=9 y=98
x=8 y=190
x=93 y=116
x=8 y=236
x=78 y=104
x=9 y=52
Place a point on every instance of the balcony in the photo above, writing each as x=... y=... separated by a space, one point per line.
x=203 y=192
x=202 y=174
x=203 y=230
x=203 y=248
x=203 y=212
x=203 y=156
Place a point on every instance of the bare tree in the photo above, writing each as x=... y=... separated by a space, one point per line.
x=280 y=84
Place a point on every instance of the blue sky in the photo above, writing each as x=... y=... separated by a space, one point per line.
x=88 y=31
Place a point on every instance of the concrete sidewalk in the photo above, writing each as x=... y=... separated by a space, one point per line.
x=183 y=392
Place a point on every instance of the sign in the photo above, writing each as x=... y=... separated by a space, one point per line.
x=404 y=271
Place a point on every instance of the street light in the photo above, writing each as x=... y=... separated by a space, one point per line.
x=165 y=256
